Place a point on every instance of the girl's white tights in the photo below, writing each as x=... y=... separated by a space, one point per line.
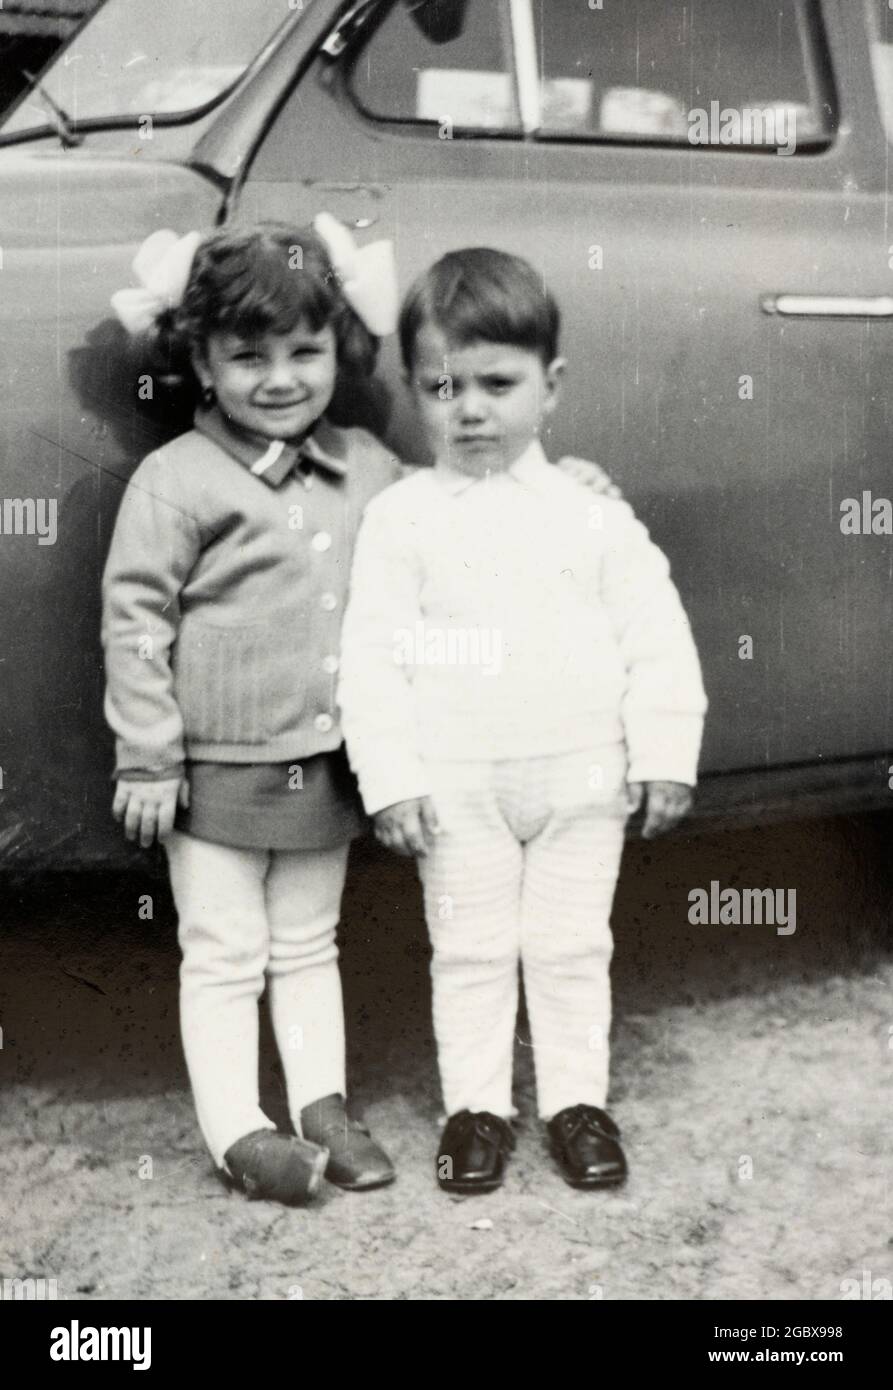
x=247 y=916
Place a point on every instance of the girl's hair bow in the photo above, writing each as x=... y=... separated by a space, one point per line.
x=162 y=265
x=368 y=274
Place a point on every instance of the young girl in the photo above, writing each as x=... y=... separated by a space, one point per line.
x=223 y=596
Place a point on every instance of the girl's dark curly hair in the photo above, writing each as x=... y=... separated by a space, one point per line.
x=267 y=279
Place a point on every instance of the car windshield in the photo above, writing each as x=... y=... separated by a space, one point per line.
x=134 y=59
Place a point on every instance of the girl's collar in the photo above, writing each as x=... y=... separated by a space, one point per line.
x=274 y=462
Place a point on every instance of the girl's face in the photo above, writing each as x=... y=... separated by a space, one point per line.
x=275 y=386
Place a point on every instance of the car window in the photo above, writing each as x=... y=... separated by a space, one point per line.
x=30 y=36
x=712 y=72
x=160 y=58
x=880 y=33
x=721 y=73
x=456 y=77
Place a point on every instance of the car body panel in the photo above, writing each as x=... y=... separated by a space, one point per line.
x=73 y=430
x=743 y=494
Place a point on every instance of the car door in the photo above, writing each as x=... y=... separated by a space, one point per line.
x=80 y=403
x=612 y=146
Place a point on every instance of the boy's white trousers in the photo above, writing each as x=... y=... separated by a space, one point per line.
x=524 y=871
x=246 y=917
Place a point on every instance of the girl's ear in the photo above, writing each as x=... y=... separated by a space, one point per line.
x=200 y=367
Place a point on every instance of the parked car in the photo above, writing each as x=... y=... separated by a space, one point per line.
x=705 y=189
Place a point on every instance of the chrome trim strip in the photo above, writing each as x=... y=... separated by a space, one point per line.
x=527 y=74
x=828 y=306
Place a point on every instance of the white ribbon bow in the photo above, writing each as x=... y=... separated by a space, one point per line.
x=368 y=274
x=162 y=265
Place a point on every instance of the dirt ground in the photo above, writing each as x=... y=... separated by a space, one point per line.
x=752 y=1077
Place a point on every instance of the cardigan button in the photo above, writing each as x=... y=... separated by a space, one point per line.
x=329 y=602
x=321 y=541
x=330 y=665
x=324 y=722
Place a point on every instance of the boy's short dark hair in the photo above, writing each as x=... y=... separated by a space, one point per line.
x=479 y=293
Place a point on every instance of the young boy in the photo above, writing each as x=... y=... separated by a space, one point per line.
x=517 y=669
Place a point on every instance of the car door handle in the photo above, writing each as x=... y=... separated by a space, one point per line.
x=828 y=306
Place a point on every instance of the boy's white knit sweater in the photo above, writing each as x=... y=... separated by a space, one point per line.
x=511 y=616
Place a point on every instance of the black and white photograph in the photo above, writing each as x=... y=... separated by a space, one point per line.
x=446 y=672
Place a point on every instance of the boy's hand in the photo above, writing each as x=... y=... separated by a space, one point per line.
x=407 y=827
x=148 y=808
x=591 y=475
x=667 y=803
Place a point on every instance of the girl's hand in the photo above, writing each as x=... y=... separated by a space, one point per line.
x=667 y=803
x=407 y=827
x=591 y=475
x=148 y=808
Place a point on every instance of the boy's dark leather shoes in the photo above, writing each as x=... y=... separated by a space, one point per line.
x=356 y=1162
x=473 y=1150
x=585 y=1142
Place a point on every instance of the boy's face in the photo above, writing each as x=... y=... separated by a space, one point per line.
x=480 y=404
x=275 y=386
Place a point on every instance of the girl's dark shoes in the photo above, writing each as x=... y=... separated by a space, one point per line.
x=585 y=1143
x=276 y=1167
x=473 y=1151
x=356 y=1162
